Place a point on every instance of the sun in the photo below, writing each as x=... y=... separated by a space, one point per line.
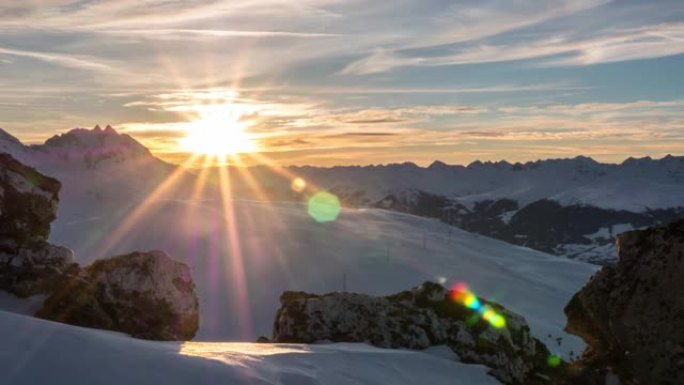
x=219 y=131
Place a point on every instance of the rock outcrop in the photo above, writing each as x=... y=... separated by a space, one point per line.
x=28 y=204
x=147 y=295
x=631 y=315
x=415 y=319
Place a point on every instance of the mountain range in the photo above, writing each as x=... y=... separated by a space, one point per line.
x=567 y=207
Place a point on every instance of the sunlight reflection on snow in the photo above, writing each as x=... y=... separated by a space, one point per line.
x=236 y=353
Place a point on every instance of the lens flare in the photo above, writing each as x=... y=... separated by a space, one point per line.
x=488 y=313
x=461 y=294
x=554 y=360
x=459 y=291
x=324 y=207
x=497 y=320
x=472 y=302
x=298 y=184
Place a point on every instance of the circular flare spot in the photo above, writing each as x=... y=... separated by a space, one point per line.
x=554 y=360
x=298 y=184
x=324 y=207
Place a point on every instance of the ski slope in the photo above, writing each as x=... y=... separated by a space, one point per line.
x=241 y=270
x=35 y=351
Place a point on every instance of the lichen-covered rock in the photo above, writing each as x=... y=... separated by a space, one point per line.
x=34 y=269
x=28 y=204
x=414 y=319
x=631 y=315
x=147 y=295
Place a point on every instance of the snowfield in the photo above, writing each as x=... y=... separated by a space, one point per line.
x=277 y=247
x=243 y=255
x=34 y=351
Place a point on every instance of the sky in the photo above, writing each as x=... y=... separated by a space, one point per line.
x=341 y=82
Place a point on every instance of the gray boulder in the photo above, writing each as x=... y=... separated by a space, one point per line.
x=147 y=295
x=415 y=319
x=631 y=315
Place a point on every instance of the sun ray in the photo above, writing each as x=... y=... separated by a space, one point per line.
x=125 y=225
x=237 y=267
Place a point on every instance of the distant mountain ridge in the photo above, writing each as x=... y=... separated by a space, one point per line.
x=573 y=207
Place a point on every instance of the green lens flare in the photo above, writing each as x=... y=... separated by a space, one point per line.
x=553 y=360
x=324 y=207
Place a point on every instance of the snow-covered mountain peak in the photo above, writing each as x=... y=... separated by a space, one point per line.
x=13 y=146
x=92 y=146
x=6 y=137
x=96 y=137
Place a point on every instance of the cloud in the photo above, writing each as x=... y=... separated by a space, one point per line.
x=291 y=68
x=476 y=20
x=370 y=116
x=607 y=46
x=647 y=106
x=408 y=114
x=381 y=60
x=71 y=61
x=636 y=44
x=348 y=134
x=194 y=34
x=501 y=88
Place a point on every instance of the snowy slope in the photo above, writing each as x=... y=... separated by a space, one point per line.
x=103 y=169
x=279 y=247
x=42 y=352
x=241 y=266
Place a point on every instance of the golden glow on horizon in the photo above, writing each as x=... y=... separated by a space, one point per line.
x=220 y=130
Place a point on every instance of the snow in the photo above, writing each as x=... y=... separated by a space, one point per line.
x=26 y=306
x=43 y=352
x=602 y=233
x=507 y=216
x=242 y=265
x=621 y=228
x=594 y=254
x=279 y=247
